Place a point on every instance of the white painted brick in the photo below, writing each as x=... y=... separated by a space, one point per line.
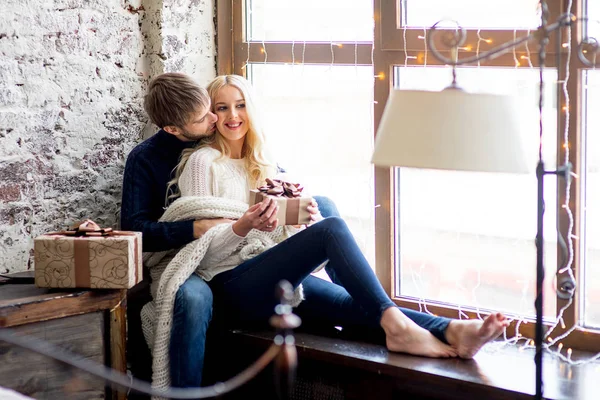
x=72 y=78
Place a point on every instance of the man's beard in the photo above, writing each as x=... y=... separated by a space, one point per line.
x=193 y=137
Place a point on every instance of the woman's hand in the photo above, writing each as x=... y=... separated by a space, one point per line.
x=315 y=214
x=261 y=216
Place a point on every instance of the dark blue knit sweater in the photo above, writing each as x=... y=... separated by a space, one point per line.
x=149 y=168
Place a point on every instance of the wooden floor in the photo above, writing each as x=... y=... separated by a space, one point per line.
x=497 y=372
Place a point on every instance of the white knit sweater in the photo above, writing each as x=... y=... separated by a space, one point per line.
x=210 y=189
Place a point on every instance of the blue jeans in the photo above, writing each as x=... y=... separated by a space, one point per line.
x=328 y=209
x=191 y=316
x=246 y=292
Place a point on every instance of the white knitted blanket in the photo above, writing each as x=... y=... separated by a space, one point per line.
x=169 y=272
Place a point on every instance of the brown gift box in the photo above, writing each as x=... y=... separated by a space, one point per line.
x=292 y=211
x=88 y=258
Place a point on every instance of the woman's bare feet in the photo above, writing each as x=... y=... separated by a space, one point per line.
x=404 y=336
x=468 y=337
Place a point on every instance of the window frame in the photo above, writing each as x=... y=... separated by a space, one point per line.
x=388 y=50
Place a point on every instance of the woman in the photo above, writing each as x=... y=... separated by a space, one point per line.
x=243 y=283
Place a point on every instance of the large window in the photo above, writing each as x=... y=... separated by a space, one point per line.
x=311 y=64
x=466 y=238
x=464 y=242
x=455 y=243
x=320 y=126
x=309 y=20
x=472 y=13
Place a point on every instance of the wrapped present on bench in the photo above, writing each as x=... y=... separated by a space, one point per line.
x=292 y=205
x=88 y=256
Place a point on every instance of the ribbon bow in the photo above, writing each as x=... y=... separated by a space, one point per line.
x=86 y=228
x=279 y=188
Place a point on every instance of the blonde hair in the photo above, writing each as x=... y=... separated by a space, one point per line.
x=258 y=164
x=172 y=98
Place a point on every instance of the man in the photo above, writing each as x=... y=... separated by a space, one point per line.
x=181 y=108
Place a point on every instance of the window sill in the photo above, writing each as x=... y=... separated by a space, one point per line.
x=497 y=372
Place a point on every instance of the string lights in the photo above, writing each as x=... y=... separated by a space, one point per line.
x=555 y=340
x=331 y=44
x=514 y=51
x=567 y=268
x=247 y=56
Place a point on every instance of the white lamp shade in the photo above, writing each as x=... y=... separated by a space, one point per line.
x=450 y=130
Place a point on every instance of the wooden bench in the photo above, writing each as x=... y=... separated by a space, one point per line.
x=84 y=322
x=333 y=368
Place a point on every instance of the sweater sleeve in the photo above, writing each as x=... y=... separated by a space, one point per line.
x=221 y=247
x=141 y=208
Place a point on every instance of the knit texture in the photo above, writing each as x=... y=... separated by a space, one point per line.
x=147 y=172
x=169 y=270
x=206 y=173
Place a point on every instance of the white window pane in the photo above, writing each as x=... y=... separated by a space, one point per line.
x=592 y=202
x=593 y=12
x=310 y=20
x=492 y=14
x=468 y=238
x=319 y=122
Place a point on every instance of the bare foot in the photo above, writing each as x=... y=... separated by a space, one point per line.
x=404 y=336
x=468 y=337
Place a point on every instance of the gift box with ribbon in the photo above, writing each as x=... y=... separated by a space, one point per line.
x=88 y=256
x=292 y=205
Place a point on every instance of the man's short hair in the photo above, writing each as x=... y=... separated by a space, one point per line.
x=172 y=98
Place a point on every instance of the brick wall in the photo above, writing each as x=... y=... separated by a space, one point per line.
x=72 y=77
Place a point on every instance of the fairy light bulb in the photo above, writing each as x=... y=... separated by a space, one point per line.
x=560 y=346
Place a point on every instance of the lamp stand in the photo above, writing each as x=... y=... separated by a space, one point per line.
x=539 y=299
x=567 y=286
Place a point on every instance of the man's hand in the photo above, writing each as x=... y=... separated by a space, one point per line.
x=201 y=226
x=315 y=214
